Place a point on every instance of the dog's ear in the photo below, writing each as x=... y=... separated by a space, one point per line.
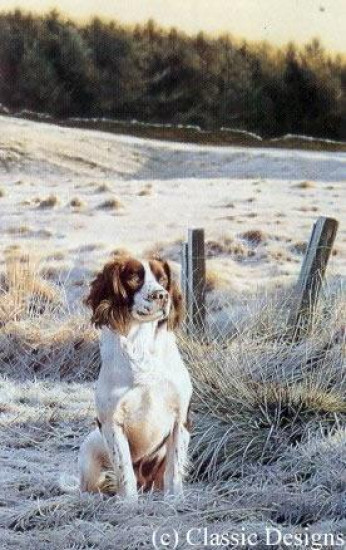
x=108 y=298
x=177 y=310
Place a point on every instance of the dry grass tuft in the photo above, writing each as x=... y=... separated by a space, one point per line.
x=299 y=247
x=254 y=236
x=49 y=202
x=256 y=397
x=18 y=230
x=215 y=280
x=103 y=188
x=306 y=185
x=278 y=254
x=2 y=192
x=36 y=330
x=44 y=233
x=78 y=203
x=111 y=204
x=66 y=350
x=23 y=292
x=228 y=247
x=145 y=192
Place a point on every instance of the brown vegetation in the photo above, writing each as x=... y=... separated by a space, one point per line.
x=254 y=236
x=49 y=202
x=78 y=203
x=111 y=204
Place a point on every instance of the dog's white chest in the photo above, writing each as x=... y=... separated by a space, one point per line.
x=140 y=361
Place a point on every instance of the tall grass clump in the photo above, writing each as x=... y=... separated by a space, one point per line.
x=258 y=394
x=39 y=334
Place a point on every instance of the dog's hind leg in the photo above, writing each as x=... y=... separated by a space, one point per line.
x=92 y=461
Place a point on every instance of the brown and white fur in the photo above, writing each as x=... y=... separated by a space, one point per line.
x=144 y=390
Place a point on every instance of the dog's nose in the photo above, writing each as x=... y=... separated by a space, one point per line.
x=159 y=295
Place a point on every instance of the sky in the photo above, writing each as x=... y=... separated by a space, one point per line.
x=277 y=21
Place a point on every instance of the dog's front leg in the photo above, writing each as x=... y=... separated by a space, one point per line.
x=119 y=453
x=176 y=460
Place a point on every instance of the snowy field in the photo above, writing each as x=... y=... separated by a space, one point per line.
x=109 y=192
x=269 y=444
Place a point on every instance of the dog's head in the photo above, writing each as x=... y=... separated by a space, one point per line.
x=128 y=290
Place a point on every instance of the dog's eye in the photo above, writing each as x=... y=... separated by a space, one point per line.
x=134 y=279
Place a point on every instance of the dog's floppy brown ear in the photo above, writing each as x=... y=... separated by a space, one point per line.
x=177 y=311
x=108 y=298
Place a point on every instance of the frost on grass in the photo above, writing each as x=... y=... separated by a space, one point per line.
x=268 y=442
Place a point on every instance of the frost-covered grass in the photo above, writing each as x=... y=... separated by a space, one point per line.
x=269 y=438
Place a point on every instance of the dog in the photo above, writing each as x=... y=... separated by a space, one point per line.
x=143 y=392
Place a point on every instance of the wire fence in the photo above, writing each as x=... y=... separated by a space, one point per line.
x=305 y=296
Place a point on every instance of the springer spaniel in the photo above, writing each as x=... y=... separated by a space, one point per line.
x=144 y=390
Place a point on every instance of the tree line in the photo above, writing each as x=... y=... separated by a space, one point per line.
x=103 y=69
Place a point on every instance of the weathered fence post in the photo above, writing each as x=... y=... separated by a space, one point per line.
x=311 y=275
x=193 y=281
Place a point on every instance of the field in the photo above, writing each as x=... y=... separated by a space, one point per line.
x=269 y=442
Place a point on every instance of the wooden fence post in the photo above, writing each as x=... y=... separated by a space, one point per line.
x=193 y=281
x=311 y=275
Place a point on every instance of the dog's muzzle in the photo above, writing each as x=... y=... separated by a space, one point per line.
x=161 y=297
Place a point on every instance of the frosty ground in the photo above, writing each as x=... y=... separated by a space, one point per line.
x=269 y=439
x=108 y=192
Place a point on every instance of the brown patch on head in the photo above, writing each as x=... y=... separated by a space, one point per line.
x=112 y=291
x=132 y=275
x=163 y=275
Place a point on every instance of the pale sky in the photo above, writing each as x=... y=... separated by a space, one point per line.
x=277 y=21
